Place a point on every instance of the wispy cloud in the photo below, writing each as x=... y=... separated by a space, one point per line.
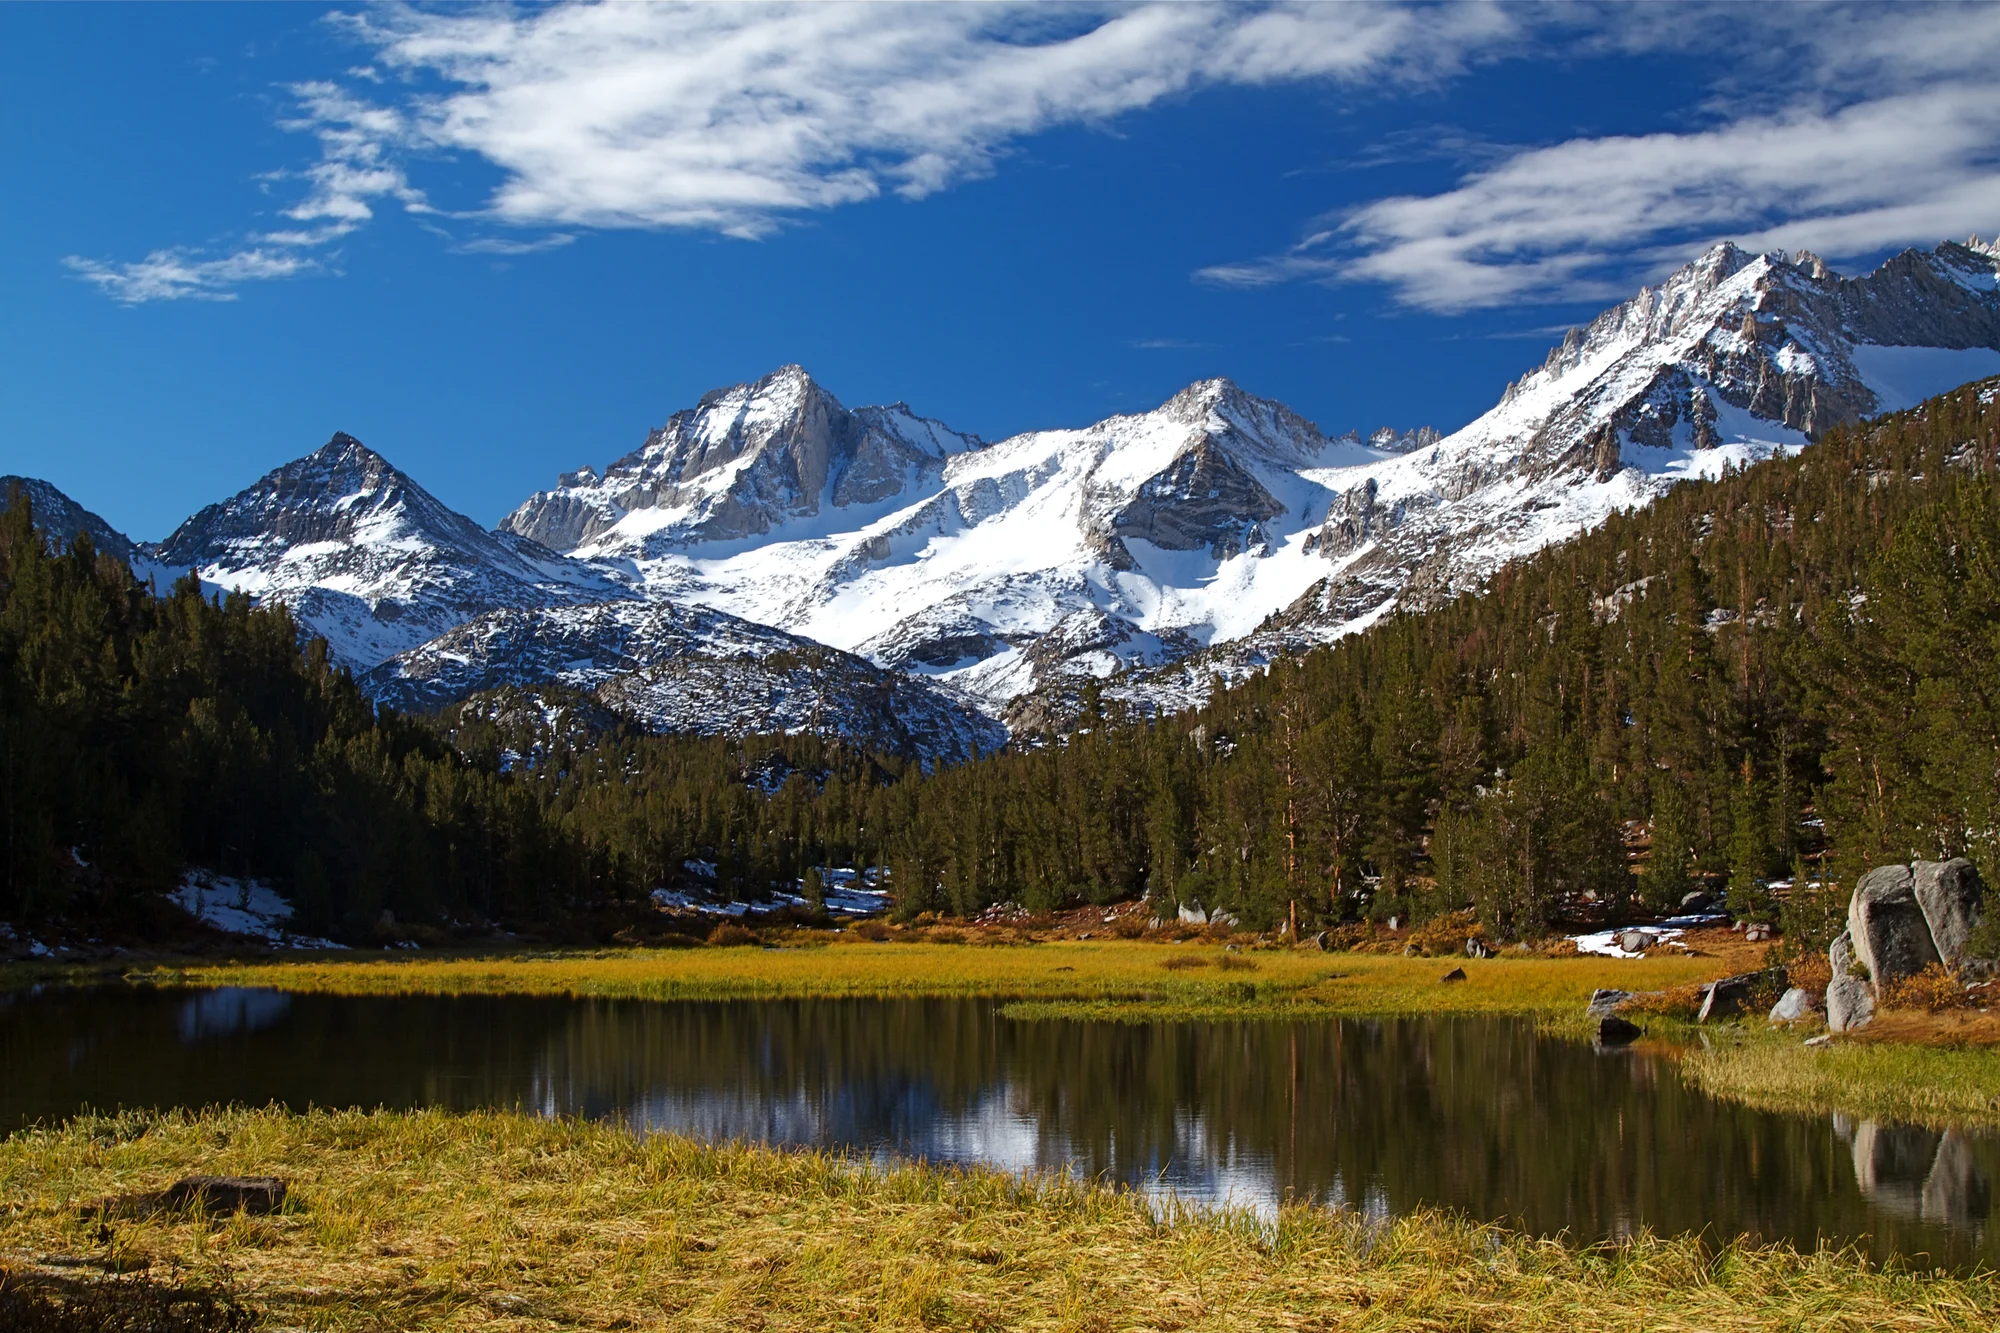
x=171 y=275
x=1916 y=160
x=501 y=245
x=1169 y=345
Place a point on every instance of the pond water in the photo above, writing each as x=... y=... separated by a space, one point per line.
x=1478 y=1115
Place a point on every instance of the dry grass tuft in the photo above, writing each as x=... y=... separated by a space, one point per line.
x=428 y=1221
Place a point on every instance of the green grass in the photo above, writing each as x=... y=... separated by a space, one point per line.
x=429 y=1220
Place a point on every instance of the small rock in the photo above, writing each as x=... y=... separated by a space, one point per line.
x=1604 y=1002
x=1456 y=974
x=1693 y=904
x=1319 y=942
x=1615 y=1031
x=1795 y=1005
x=1392 y=922
x=1409 y=951
x=1850 y=1004
x=1476 y=948
x=1821 y=1040
x=1083 y=935
x=1729 y=996
x=1637 y=941
x=1840 y=955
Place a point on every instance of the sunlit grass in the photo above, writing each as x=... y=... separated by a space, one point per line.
x=1883 y=1080
x=429 y=1220
x=1136 y=977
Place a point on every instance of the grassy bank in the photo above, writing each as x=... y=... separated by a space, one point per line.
x=1111 y=977
x=1910 y=1081
x=496 y=1221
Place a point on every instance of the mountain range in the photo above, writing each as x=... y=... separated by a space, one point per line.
x=772 y=560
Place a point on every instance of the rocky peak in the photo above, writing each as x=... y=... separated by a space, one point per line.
x=743 y=461
x=61 y=518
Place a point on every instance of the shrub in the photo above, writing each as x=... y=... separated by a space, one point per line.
x=1447 y=933
x=1128 y=927
x=1230 y=962
x=1181 y=962
x=729 y=933
x=1682 y=1002
x=876 y=931
x=1934 y=989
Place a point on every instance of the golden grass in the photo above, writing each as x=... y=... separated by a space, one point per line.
x=1881 y=1078
x=1080 y=977
x=506 y=1222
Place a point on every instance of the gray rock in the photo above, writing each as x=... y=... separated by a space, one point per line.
x=1615 y=1031
x=1723 y=999
x=1796 y=1004
x=1850 y=1004
x=1456 y=974
x=1637 y=941
x=1697 y=902
x=1603 y=1003
x=1193 y=915
x=1949 y=894
x=1840 y=954
x=1891 y=938
x=1477 y=948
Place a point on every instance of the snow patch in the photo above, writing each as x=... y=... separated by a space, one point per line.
x=242 y=907
x=1902 y=377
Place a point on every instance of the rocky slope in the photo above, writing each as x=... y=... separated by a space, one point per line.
x=674 y=668
x=62 y=518
x=367 y=558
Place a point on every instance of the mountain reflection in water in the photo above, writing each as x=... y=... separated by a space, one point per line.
x=1478 y=1115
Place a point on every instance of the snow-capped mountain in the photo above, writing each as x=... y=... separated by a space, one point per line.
x=690 y=669
x=367 y=558
x=1733 y=358
x=1133 y=541
x=772 y=560
x=1221 y=527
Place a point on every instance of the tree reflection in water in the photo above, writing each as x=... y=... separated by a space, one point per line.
x=1479 y=1115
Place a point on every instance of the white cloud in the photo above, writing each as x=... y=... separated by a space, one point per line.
x=174 y=275
x=1915 y=161
x=732 y=118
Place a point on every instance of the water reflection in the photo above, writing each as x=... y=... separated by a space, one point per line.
x=1477 y=1115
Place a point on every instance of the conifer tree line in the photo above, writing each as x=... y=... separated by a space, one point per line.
x=1787 y=673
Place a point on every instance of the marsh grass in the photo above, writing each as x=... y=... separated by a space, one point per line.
x=430 y=1220
x=1912 y=1081
x=1083 y=975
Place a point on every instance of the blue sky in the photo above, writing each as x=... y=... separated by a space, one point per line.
x=500 y=243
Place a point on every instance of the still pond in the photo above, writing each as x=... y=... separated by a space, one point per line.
x=1483 y=1116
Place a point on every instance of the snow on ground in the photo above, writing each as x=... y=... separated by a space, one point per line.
x=1669 y=931
x=242 y=907
x=845 y=892
x=1904 y=376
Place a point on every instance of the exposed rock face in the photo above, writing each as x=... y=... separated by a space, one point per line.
x=1886 y=926
x=1950 y=895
